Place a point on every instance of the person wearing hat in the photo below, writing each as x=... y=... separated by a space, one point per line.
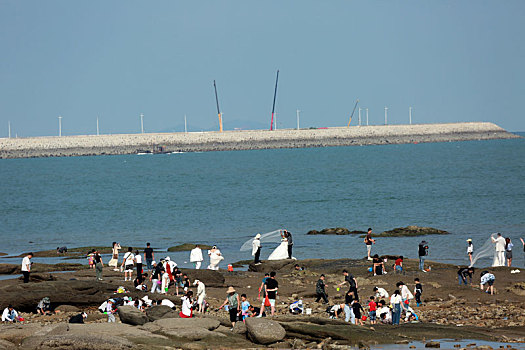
x=470 y=249
x=196 y=257
x=234 y=303
x=256 y=249
x=201 y=294
x=43 y=306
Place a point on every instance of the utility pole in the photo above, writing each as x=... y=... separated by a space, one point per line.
x=185 y=124
x=142 y=123
x=298 y=111
x=59 y=126
x=367 y=117
x=359 y=117
x=386 y=117
x=410 y=115
x=97 y=128
x=9 y=129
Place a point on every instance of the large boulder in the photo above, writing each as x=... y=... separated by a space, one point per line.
x=5 y=345
x=209 y=277
x=131 y=315
x=8 y=269
x=77 y=342
x=160 y=311
x=264 y=331
x=179 y=323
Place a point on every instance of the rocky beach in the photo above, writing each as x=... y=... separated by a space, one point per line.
x=247 y=140
x=449 y=311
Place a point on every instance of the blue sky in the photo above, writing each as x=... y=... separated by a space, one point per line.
x=450 y=60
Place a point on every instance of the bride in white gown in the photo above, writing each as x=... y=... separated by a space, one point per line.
x=281 y=252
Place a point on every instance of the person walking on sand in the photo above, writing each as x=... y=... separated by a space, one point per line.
x=196 y=256
x=499 y=253
x=422 y=253
x=98 y=264
x=256 y=249
x=234 y=305
x=368 y=242
x=470 y=249
x=127 y=263
x=508 y=251
x=149 y=256
x=320 y=290
x=26 y=266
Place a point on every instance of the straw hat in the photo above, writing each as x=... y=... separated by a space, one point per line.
x=469 y=240
x=230 y=290
x=257 y=236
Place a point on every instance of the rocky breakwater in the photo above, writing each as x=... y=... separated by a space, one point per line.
x=245 y=140
x=409 y=231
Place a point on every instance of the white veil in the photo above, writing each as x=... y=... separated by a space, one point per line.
x=269 y=237
x=485 y=251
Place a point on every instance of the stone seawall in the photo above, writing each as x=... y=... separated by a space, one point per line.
x=247 y=140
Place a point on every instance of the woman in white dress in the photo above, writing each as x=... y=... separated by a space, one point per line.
x=215 y=258
x=281 y=252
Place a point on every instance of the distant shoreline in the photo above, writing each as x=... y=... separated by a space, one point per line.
x=87 y=145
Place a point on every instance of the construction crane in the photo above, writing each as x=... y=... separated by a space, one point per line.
x=351 y=115
x=218 y=110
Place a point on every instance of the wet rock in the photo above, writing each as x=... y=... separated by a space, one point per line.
x=160 y=311
x=131 y=315
x=483 y=347
x=282 y=345
x=9 y=269
x=273 y=265
x=5 y=345
x=192 y=333
x=67 y=308
x=410 y=231
x=187 y=247
x=264 y=331
x=433 y=344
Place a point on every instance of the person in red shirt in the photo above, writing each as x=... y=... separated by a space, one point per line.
x=398 y=267
x=372 y=307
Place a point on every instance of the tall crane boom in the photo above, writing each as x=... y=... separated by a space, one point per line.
x=351 y=115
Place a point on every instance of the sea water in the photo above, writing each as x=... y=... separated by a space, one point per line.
x=470 y=189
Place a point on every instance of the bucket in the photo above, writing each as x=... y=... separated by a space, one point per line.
x=308 y=311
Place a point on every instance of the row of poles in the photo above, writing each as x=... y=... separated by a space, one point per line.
x=273 y=122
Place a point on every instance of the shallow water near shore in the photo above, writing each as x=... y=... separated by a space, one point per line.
x=447 y=344
x=470 y=189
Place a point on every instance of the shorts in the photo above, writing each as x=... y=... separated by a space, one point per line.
x=128 y=268
x=490 y=282
x=508 y=254
x=272 y=302
x=372 y=315
x=368 y=247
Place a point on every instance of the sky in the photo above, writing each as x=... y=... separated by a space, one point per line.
x=451 y=61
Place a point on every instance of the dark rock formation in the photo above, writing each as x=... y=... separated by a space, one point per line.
x=160 y=311
x=264 y=331
x=209 y=277
x=411 y=231
x=187 y=247
x=335 y=231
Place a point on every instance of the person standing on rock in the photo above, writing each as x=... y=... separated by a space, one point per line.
x=320 y=290
x=138 y=262
x=149 y=256
x=156 y=277
x=396 y=301
x=110 y=311
x=256 y=249
x=289 y=238
x=499 y=254
x=406 y=297
x=234 y=305
x=114 y=258
x=262 y=291
x=349 y=311
x=508 y=251
x=368 y=242
x=201 y=294
x=418 y=291
x=271 y=289
x=422 y=252
x=127 y=263
x=26 y=266
x=196 y=256
x=98 y=264
x=470 y=249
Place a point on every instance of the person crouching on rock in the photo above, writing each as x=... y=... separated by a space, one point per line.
x=336 y=310
x=234 y=305
x=187 y=305
x=487 y=279
x=9 y=315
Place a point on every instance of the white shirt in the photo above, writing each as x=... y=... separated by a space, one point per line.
x=167 y=302
x=128 y=258
x=201 y=289
x=138 y=259
x=487 y=277
x=381 y=293
x=509 y=247
x=256 y=244
x=395 y=299
x=26 y=264
x=5 y=315
x=500 y=244
x=405 y=293
x=385 y=310
x=196 y=255
x=470 y=248
x=186 y=306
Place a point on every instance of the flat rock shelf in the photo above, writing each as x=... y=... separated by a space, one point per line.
x=247 y=140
